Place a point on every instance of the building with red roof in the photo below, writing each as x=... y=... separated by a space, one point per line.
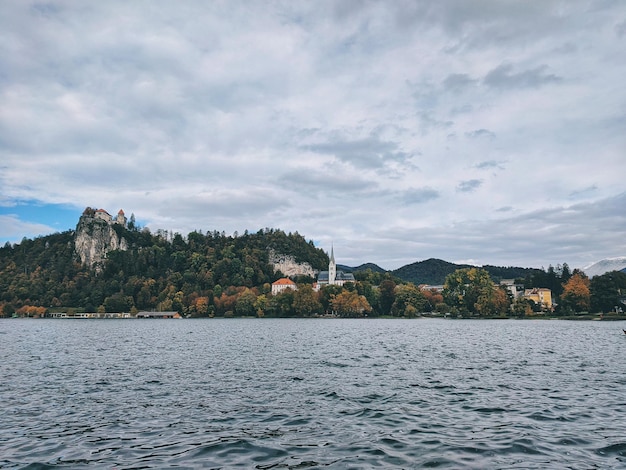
x=283 y=284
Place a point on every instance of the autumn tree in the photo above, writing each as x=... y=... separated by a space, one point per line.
x=326 y=294
x=522 y=307
x=371 y=293
x=305 y=301
x=30 y=311
x=244 y=304
x=281 y=305
x=576 y=294
x=464 y=287
x=433 y=298
x=493 y=301
x=409 y=300
x=350 y=304
x=260 y=305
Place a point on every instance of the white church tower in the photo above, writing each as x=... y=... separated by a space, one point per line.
x=332 y=268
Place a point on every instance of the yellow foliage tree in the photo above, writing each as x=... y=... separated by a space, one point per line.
x=576 y=294
x=350 y=304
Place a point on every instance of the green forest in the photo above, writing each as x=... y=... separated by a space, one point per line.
x=217 y=275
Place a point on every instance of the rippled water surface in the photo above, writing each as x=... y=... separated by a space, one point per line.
x=263 y=393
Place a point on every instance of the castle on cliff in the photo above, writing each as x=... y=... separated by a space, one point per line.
x=104 y=215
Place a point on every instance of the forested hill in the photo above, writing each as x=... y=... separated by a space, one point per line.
x=434 y=271
x=155 y=271
x=363 y=267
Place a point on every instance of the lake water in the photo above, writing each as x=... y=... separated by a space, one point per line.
x=319 y=393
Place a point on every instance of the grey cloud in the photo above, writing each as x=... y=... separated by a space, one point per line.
x=429 y=121
x=419 y=195
x=620 y=29
x=223 y=203
x=317 y=182
x=480 y=133
x=576 y=234
x=503 y=77
x=458 y=82
x=370 y=152
x=567 y=48
x=490 y=164
x=584 y=192
x=463 y=109
x=469 y=185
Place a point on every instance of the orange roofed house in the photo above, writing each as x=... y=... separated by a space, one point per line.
x=282 y=284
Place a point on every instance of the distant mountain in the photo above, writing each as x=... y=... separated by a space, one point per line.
x=364 y=267
x=509 y=272
x=434 y=271
x=604 y=266
x=431 y=271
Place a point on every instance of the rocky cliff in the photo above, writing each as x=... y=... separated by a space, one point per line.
x=287 y=265
x=94 y=239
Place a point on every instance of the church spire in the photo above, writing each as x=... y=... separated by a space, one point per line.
x=332 y=267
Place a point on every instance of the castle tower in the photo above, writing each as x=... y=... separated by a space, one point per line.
x=332 y=268
x=121 y=218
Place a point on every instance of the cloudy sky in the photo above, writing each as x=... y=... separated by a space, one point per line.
x=485 y=131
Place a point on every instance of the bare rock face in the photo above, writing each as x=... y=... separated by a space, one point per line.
x=287 y=265
x=94 y=239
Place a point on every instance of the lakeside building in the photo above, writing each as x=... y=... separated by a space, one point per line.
x=516 y=290
x=158 y=315
x=541 y=296
x=283 y=284
x=88 y=315
x=332 y=277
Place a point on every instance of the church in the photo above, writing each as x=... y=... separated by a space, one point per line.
x=332 y=277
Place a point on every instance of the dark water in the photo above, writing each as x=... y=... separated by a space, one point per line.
x=312 y=394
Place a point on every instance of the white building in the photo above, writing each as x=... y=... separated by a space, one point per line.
x=283 y=284
x=332 y=277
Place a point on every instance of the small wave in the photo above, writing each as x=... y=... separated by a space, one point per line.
x=613 y=449
x=340 y=365
x=547 y=416
x=489 y=410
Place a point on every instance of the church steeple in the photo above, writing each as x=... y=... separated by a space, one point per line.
x=332 y=267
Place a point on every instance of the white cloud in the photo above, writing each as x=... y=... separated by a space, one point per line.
x=345 y=121
x=14 y=229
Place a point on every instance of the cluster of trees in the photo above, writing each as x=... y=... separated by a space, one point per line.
x=214 y=274
x=375 y=294
x=471 y=292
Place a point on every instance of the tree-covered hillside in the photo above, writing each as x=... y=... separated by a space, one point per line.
x=431 y=271
x=434 y=271
x=158 y=271
x=363 y=267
